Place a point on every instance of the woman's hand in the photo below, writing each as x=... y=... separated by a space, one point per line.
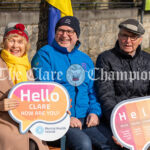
x=8 y=104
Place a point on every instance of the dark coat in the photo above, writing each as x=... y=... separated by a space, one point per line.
x=120 y=76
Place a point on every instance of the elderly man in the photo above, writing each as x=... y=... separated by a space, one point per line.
x=117 y=68
x=65 y=64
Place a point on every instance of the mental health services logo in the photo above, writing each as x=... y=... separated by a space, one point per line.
x=75 y=75
x=39 y=130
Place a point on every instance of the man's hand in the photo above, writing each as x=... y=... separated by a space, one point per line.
x=115 y=140
x=92 y=120
x=75 y=123
x=8 y=104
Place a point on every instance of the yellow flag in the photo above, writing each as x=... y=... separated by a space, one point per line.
x=147 y=4
x=63 y=5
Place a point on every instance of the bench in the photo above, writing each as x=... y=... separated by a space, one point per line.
x=62 y=144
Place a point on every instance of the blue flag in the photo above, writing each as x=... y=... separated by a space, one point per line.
x=54 y=16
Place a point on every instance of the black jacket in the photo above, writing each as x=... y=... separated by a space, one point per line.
x=120 y=76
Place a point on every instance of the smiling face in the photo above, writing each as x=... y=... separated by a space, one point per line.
x=128 y=41
x=66 y=37
x=15 y=44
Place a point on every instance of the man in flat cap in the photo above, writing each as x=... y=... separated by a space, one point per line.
x=117 y=68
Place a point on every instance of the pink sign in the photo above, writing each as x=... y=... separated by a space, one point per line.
x=130 y=123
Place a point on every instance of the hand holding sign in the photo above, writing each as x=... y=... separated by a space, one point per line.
x=8 y=104
x=130 y=122
x=42 y=106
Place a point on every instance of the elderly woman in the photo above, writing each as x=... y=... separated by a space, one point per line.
x=14 y=68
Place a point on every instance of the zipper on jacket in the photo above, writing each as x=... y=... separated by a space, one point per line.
x=76 y=89
x=131 y=69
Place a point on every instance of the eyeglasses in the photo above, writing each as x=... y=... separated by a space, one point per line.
x=125 y=37
x=68 y=32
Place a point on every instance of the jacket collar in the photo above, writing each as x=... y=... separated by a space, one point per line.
x=63 y=49
x=124 y=54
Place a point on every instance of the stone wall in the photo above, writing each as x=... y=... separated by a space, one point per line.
x=99 y=28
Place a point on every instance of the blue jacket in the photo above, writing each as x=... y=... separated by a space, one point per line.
x=51 y=64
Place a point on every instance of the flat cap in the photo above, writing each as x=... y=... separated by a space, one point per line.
x=132 y=25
